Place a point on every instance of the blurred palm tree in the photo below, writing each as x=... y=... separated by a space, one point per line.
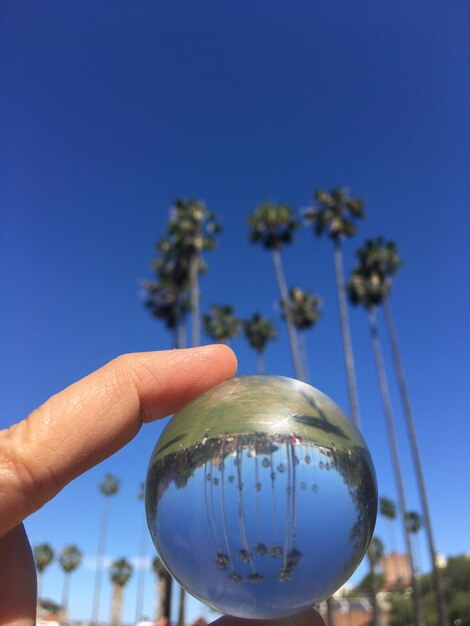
x=381 y=258
x=369 y=289
x=220 y=324
x=191 y=231
x=335 y=214
x=169 y=303
x=69 y=559
x=43 y=557
x=120 y=573
x=258 y=331
x=108 y=488
x=163 y=593
x=388 y=510
x=415 y=523
x=273 y=225
x=303 y=308
x=375 y=554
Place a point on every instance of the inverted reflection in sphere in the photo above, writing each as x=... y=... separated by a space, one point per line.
x=261 y=497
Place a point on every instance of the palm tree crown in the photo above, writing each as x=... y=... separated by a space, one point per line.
x=192 y=227
x=221 y=324
x=158 y=568
x=120 y=572
x=70 y=558
x=166 y=302
x=387 y=508
x=43 y=556
x=370 y=283
x=375 y=551
x=413 y=521
x=303 y=308
x=273 y=225
x=110 y=486
x=258 y=331
x=335 y=213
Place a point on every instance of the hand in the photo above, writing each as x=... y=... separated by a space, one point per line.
x=77 y=429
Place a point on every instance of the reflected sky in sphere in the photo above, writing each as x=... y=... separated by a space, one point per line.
x=261 y=497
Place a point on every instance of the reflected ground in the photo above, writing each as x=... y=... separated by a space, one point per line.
x=261 y=523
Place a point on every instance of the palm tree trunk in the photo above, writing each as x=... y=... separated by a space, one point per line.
x=395 y=457
x=438 y=586
x=99 y=562
x=39 y=584
x=116 y=605
x=260 y=362
x=161 y=595
x=65 y=593
x=346 y=335
x=139 y=604
x=180 y=332
x=168 y=595
x=304 y=356
x=377 y=613
x=194 y=288
x=330 y=611
x=182 y=607
x=293 y=339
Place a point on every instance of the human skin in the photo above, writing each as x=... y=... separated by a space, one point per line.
x=78 y=428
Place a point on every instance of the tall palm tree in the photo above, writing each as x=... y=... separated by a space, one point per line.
x=108 y=488
x=388 y=510
x=303 y=308
x=375 y=553
x=382 y=257
x=335 y=214
x=120 y=573
x=43 y=557
x=191 y=231
x=163 y=590
x=273 y=225
x=258 y=331
x=70 y=558
x=220 y=324
x=369 y=290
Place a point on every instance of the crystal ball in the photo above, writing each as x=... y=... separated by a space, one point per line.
x=261 y=497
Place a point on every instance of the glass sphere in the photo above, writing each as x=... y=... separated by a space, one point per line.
x=261 y=497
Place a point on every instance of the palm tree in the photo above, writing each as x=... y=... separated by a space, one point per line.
x=375 y=554
x=258 y=331
x=415 y=523
x=43 y=556
x=382 y=257
x=388 y=510
x=191 y=231
x=220 y=324
x=168 y=302
x=109 y=487
x=164 y=581
x=120 y=573
x=70 y=558
x=273 y=225
x=303 y=308
x=369 y=290
x=336 y=213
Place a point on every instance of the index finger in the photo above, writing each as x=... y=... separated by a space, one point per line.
x=93 y=418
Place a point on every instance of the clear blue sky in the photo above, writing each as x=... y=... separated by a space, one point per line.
x=111 y=110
